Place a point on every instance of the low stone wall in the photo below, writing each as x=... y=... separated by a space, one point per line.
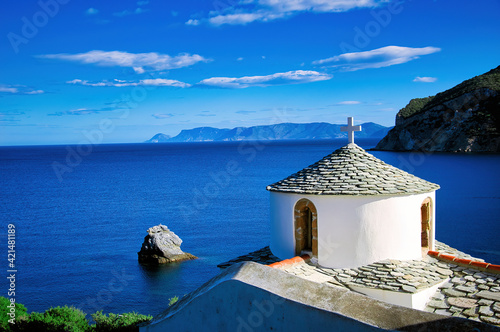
x=466 y=262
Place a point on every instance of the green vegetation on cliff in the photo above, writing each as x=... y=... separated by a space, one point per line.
x=415 y=106
x=489 y=80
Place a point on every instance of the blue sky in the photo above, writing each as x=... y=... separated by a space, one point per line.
x=121 y=71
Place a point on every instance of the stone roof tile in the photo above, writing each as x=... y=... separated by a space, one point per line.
x=351 y=170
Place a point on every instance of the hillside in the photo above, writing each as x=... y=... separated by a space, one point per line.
x=464 y=118
x=159 y=138
x=489 y=80
x=282 y=131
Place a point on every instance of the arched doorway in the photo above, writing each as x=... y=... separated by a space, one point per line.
x=306 y=227
x=426 y=215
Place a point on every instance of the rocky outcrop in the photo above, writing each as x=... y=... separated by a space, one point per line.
x=162 y=246
x=159 y=138
x=465 y=118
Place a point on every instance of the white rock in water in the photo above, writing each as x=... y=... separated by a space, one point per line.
x=162 y=246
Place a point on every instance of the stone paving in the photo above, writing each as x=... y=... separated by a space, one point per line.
x=392 y=275
x=466 y=292
x=469 y=294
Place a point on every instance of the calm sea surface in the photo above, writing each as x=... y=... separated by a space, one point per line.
x=80 y=225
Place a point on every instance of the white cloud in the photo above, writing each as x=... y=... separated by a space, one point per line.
x=291 y=77
x=122 y=83
x=127 y=12
x=320 y=6
x=162 y=115
x=378 y=58
x=34 y=92
x=140 y=62
x=78 y=111
x=82 y=111
x=19 y=90
x=122 y=13
x=111 y=107
x=193 y=22
x=205 y=113
x=243 y=18
x=87 y=83
x=164 y=82
x=140 y=10
x=269 y=10
x=8 y=89
x=239 y=59
x=91 y=11
x=425 y=79
x=245 y=112
x=139 y=70
x=11 y=115
x=349 y=102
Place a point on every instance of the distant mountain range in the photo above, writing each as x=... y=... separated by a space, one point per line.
x=282 y=131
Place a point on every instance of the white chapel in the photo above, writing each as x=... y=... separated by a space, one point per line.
x=351 y=209
x=362 y=228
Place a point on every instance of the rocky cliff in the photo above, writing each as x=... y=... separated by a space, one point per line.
x=159 y=138
x=465 y=118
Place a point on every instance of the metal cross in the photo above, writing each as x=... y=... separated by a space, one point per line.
x=350 y=129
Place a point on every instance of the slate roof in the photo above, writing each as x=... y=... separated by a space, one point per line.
x=351 y=170
x=467 y=291
x=262 y=256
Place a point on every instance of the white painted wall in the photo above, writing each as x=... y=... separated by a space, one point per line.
x=354 y=230
x=282 y=225
x=416 y=300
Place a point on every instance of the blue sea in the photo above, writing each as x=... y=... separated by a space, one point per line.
x=81 y=213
